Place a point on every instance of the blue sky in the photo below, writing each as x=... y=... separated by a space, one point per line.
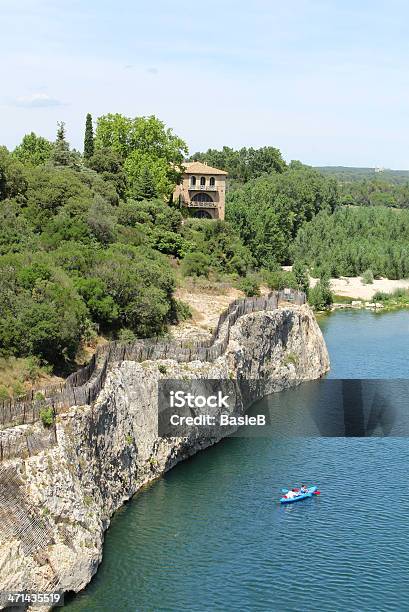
x=326 y=82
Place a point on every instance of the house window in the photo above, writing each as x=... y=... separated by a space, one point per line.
x=202 y=181
x=212 y=181
x=193 y=181
x=202 y=197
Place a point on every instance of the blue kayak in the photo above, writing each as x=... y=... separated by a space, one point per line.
x=310 y=492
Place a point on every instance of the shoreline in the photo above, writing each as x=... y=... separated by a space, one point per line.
x=352 y=287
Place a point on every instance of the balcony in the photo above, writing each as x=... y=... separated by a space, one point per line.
x=194 y=204
x=198 y=187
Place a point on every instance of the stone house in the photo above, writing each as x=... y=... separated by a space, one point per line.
x=202 y=190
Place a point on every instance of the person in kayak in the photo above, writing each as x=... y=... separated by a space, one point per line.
x=303 y=489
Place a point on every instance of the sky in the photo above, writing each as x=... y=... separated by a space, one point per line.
x=327 y=82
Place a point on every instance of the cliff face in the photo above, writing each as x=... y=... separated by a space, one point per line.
x=57 y=503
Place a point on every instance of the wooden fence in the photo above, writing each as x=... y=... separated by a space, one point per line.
x=83 y=387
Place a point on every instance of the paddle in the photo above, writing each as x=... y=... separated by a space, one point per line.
x=284 y=490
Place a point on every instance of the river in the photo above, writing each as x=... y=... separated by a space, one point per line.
x=209 y=534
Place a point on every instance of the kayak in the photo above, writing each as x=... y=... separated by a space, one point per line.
x=310 y=492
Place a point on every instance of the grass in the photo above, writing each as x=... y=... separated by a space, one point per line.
x=290 y=358
x=219 y=284
x=391 y=301
x=342 y=299
x=18 y=375
x=47 y=416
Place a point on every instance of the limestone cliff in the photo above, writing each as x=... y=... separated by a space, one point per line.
x=57 y=503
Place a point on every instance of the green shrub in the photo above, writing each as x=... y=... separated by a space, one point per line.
x=381 y=296
x=18 y=390
x=301 y=276
x=47 y=416
x=4 y=394
x=320 y=297
x=249 y=285
x=183 y=310
x=126 y=335
x=281 y=279
x=196 y=264
x=400 y=294
x=162 y=368
x=367 y=277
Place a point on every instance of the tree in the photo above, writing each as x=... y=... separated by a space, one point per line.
x=300 y=272
x=61 y=155
x=110 y=166
x=144 y=186
x=320 y=297
x=101 y=305
x=41 y=313
x=267 y=211
x=244 y=164
x=34 y=150
x=89 y=138
x=141 y=283
x=143 y=141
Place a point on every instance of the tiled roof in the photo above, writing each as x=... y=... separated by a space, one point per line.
x=199 y=168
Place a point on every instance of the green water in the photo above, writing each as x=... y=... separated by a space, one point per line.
x=209 y=535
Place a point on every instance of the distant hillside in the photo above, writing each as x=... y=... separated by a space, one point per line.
x=345 y=174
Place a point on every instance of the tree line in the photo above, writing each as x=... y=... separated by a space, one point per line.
x=351 y=241
x=92 y=243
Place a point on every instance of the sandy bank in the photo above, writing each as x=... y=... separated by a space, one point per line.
x=353 y=287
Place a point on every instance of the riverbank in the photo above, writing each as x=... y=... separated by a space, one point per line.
x=65 y=494
x=192 y=536
x=353 y=287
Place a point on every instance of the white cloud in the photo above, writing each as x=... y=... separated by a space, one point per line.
x=36 y=100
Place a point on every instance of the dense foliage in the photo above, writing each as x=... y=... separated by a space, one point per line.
x=89 y=244
x=244 y=164
x=367 y=187
x=352 y=241
x=375 y=192
x=142 y=143
x=345 y=174
x=74 y=258
x=267 y=212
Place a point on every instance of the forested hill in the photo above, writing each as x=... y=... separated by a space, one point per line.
x=92 y=244
x=347 y=174
x=370 y=186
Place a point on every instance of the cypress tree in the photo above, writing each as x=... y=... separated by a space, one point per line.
x=89 y=138
x=61 y=155
x=145 y=186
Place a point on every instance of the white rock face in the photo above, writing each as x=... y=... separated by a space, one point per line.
x=56 y=505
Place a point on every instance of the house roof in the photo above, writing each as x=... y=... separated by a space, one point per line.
x=199 y=168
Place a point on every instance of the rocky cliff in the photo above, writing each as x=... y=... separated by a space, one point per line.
x=57 y=500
